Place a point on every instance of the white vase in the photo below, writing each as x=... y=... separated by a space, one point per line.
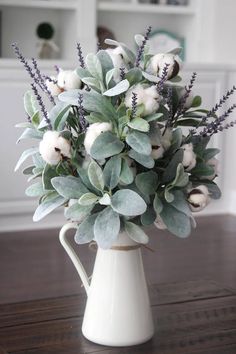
x=118 y=311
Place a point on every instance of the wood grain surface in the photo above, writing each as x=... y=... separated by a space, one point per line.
x=192 y=285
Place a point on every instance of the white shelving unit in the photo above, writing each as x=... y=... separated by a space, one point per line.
x=126 y=18
x=136 y=7
x=52 y=4
x=20 y=19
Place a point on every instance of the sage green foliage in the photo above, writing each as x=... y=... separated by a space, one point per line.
x=122 y=184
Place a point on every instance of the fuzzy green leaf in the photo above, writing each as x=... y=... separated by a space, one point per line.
x=88 y=199
x=112 y=171
x=77 y=212
x=50 y=203
x=177 y=222
x=147 y=182
x=35 y=190
x=106 y=228
x=106 y=145
x=126 y=174
x=85 y=231
x=148 y=217
x=157 y=204
x=140 y=142
x=94 y=66
x=30 y=104
x=136 y=233
x=27 y=153
x=96 y=176
x=121 y=87
x=144 y=160
x=69 y=187
x=139 y=124
x=128 y=202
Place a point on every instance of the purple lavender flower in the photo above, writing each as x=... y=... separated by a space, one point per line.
x=41 y=105
x=80 y=55
x=142 y=47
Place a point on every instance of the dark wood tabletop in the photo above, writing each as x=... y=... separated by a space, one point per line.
x=192 y=285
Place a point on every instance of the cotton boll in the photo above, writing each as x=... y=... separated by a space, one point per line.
x=189 y=101
x=189 y=158
x=68 y=80
x=119 y=60
x=159 y=223
x=54 y=89
x=93 y=131
x=53 y=148
x=159 y=61
x=139 y=91
x=198 y=198
x=148 y=96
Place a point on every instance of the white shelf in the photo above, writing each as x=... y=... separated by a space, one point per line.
x=49 y=4
x=146 y=8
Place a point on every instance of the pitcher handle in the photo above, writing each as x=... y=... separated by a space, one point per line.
x=72 y=254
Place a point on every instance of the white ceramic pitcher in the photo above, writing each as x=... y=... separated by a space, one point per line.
x=118 y=309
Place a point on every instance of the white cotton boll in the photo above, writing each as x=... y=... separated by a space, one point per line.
x=54 y=89
x=139 y=91
x=148 y=96
x=151 y=105
x=189 y=158
x=68 y=80
x=189 y=101
x=159 y=61
x=159 y=223
x=93 y=131
x=119 y=60
x=157 y=152
x=53 y=148
x=198 y=198
x=214 y=163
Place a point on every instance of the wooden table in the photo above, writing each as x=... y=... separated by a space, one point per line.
x=192 y=290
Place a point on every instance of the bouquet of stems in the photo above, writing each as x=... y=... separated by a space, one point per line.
x=124 y=144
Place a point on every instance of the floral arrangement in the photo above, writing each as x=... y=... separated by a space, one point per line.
x=124 y=145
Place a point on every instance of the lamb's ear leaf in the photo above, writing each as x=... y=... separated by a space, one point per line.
x=77 y=212
x=69 y=187
x=112 y=171
x=119 y=88
x=85 y=231
x=177 y=222
x=127 y=202
x=146 y=161
x=147 y=182
x=106 y=227
x=135 y=232
x=140 y=142
x=27 y=153
x=94 y=66
x=106 y=145
x=126 y=174
x=96 y=176
x=50 y=203
x=30 y=104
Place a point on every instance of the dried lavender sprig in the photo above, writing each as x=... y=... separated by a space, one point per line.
x=170 y=106
x=49 y=79
x=82 y=119
x=80 y=55
x=22 y=59
x=41 y=81
x=134 y=104
x=217 y=106
x=99 y=46
x=142 y=47
x=188 y=90
x=41 y=104
x=228 y=125
x=164 y=76
x=122 y=73
x=216 y=125
x=57 y=69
